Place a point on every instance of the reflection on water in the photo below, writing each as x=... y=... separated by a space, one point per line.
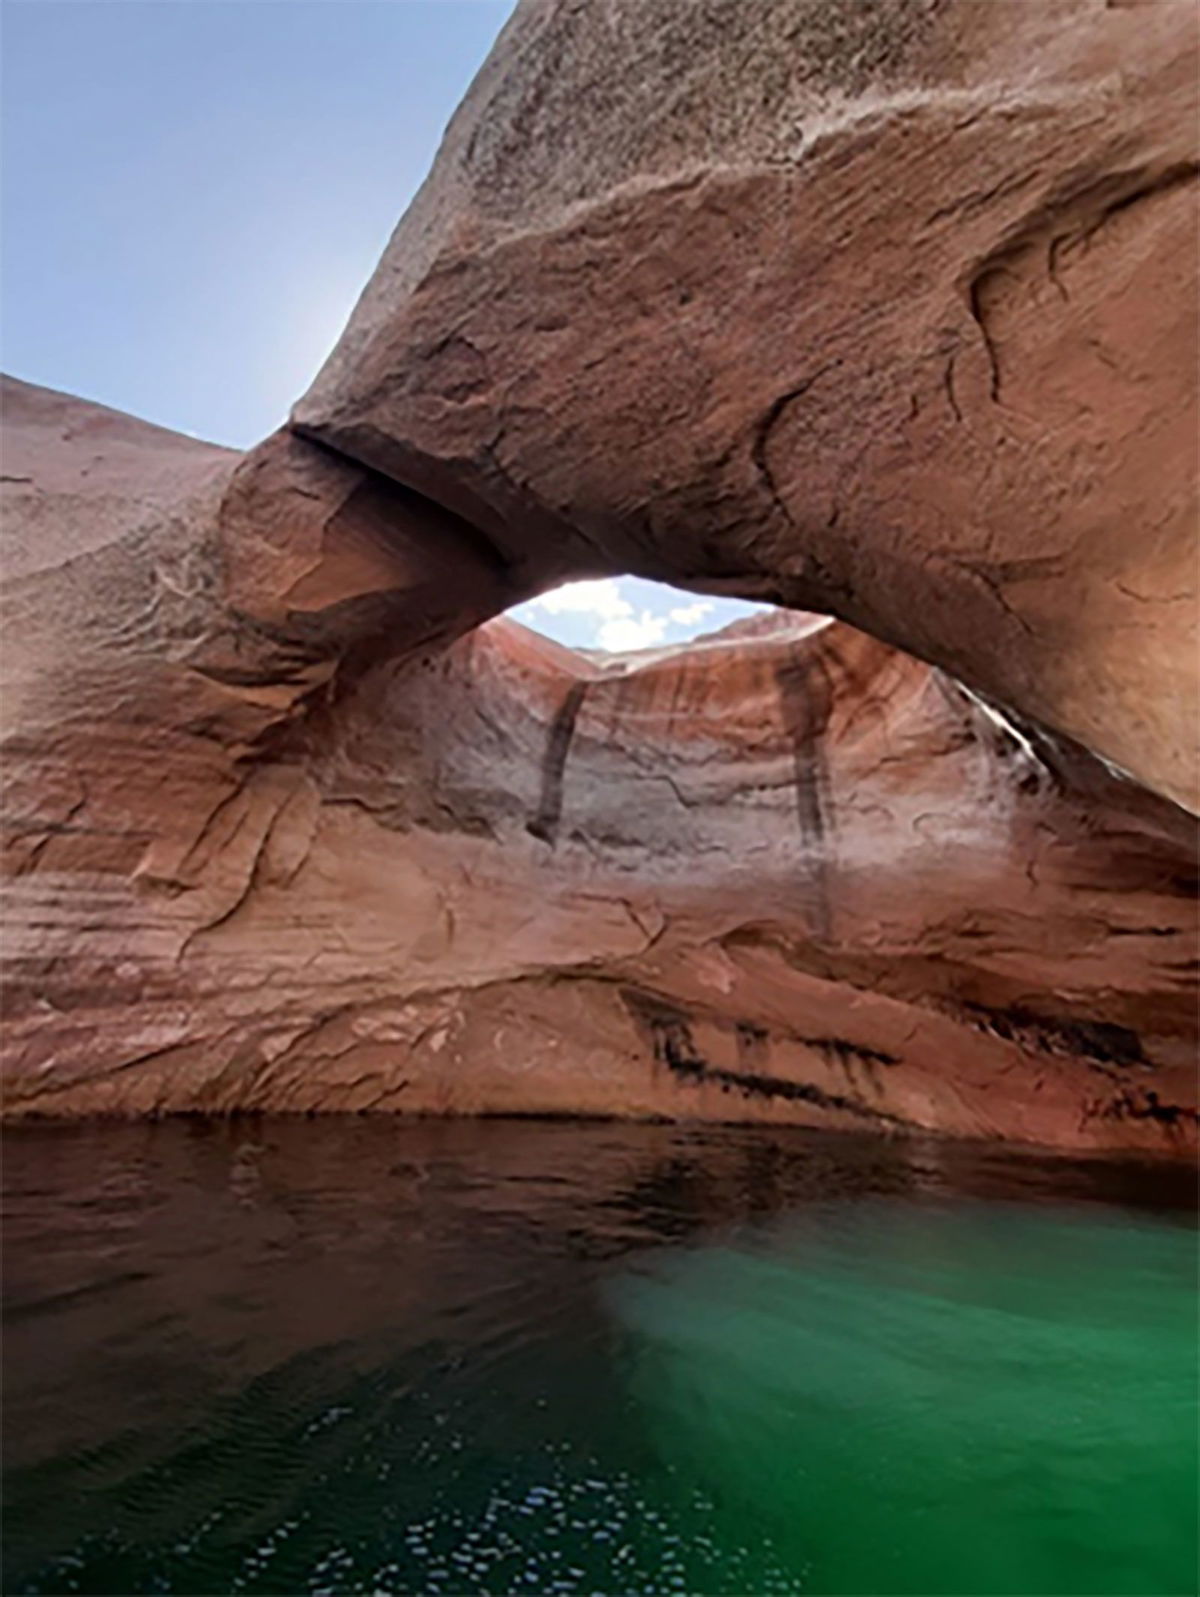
x=381 y=1356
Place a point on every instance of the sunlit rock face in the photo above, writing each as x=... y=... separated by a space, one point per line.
x=880 y=308
x=287 y=829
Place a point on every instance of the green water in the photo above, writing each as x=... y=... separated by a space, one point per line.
x=351 y=1356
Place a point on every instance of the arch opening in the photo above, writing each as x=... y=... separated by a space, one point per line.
x=619 y=615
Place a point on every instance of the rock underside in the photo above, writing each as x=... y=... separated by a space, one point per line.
x=883 y=310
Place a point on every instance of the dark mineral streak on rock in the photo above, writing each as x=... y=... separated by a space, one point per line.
x=1146 y=1105
x=674 y=1046
x=752 y=1046
x=554 y=764
x=806 y=700
x=1101 y=1041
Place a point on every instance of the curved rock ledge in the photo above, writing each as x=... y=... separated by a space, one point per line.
x=288 y=830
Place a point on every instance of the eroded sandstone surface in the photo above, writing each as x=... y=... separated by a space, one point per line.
x=884 y=310
x=879 y=308
x=286 y=829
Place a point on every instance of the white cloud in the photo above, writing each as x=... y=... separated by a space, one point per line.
x=631 y=632
x=618 y=625
x=601 y=596
x=689 y=615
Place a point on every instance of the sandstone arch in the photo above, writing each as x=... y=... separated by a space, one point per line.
x=292 y=822
x=284 y=834
x=881 y=308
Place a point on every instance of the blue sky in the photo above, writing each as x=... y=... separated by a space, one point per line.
x=196 y=191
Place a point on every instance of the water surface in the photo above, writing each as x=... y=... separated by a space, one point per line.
x=386 y=1356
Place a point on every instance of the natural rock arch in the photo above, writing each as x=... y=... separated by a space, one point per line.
x=286 y=831
x=880 y=308
x=282 y=834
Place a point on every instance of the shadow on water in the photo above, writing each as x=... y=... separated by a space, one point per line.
x=374 y=1355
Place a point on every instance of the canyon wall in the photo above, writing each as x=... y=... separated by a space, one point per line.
x=286 y=830
x=882 y=310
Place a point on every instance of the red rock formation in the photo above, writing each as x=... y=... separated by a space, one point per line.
x=883 y=308
x=285 y=833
